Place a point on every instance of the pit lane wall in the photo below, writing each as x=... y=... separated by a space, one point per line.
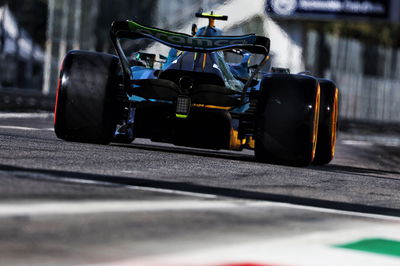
x=367 y=76
x=21 y=60
x=21 y=68
x=369 y=99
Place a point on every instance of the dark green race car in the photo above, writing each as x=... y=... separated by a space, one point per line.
x=196 y=98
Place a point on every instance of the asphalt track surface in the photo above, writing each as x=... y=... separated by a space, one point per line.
x=155 y=204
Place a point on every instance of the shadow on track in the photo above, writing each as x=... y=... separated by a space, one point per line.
x=342 y=169
x=191 y=151
x=30 y=173
x=357 y=171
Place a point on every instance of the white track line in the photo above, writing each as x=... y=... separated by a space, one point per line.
x=42 y=176
x=8 y=210
x=26 y=128
x=151 y=189
x=125 y=206
x=25 y=115
x=357 y=143
x=252 y=203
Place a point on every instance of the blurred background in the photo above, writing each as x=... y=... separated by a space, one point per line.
x=355 y=43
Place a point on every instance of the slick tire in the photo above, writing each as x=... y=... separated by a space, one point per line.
x=86 y=108
x=287 y=116
x=328 y=122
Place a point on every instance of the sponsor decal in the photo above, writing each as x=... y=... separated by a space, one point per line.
x=185 y=40
x=366 y=8
x=284 y=7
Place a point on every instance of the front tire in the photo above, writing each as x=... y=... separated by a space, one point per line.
x=86 y=108
x=287 y=119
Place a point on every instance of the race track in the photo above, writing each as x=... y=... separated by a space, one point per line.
x=155 y=204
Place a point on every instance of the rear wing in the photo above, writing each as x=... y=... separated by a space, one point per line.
x=184 y=42
x=210 y=16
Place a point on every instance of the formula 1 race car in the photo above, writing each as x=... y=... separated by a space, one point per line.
x=196 y=98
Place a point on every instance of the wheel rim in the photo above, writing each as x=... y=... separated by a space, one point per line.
x=316 y=120
x=59 y=83
x=335 y=113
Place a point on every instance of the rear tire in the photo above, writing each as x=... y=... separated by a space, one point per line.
x=86 y=108
x=287 y=119
x=328 y=122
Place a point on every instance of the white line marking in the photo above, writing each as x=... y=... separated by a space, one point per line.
x=89 y=207
x=369 y=140
x=253 y=203
x=160 y=190
x=357 y=143
x=26 y=115
x=177 y=192
x=27 y=128
x=128 y=206
x=112 y=184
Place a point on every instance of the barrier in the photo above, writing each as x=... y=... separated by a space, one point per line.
x=12 y=99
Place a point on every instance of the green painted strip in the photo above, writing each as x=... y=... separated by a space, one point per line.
x=181 y=116
x=375 y=245
x=211 y=15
